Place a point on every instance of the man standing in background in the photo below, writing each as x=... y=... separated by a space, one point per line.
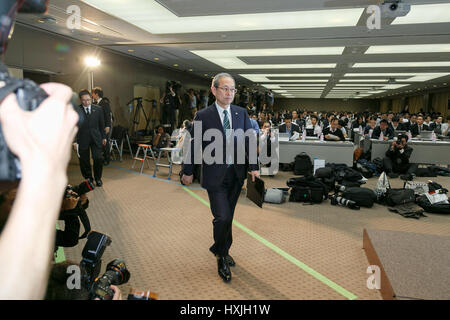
x=97 y=95
x=90 y=138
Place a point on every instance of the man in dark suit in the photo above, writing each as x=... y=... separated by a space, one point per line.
x=418 y=127
x=333 y=133
x=97 y=94
x=397 y=125
x=384 y=128
x=90 y=138
x=288 y=126
x=223 y=179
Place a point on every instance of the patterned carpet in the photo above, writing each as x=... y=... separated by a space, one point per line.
x=287 y=251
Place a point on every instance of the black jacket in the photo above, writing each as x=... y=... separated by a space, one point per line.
x=338 y=133
x=415 y=129
x=93 y=128
x=107 y=114
x=387 y=133
x=294 y=128
x=399 y=160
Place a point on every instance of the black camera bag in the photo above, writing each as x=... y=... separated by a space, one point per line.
x=399 y=196
x=363 y=197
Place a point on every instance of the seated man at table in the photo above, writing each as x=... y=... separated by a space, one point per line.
x=314 y=129
x=397 y=159
x=397 y=125
x=332 y=133
x=371 y=125
x=288 y=126
x=384 y=128
x=418 y=127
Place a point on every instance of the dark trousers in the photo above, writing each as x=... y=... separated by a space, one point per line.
x=222 y=202
x=107 y=148
x=85 y=162
x=68 y=237
x=389 y=166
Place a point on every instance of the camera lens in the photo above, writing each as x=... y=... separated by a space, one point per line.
x=393 y=6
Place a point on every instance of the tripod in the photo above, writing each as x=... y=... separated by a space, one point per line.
x=137 y=115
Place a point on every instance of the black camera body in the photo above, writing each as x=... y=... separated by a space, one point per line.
x=116 y=274
x=29 y=95
x=83 y=188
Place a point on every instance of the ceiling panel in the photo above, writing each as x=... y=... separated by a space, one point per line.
x=286 y=43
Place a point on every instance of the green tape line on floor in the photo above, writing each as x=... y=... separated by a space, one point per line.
x=285 y=255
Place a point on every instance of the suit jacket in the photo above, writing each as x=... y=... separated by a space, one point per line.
x=294 y=127
x=93 y=128
x=107 y=114
x=213 y=174
x=415 y=129
x=388 y=133
x=400 y=127
x=338 y=133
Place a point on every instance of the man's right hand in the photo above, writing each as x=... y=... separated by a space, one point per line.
x=187 y=180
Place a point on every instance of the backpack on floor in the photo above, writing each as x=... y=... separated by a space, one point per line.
x=307 y=189
x=303 y=164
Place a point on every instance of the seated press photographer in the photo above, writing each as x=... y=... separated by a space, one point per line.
x=397 y=159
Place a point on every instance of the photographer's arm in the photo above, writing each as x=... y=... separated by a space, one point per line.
x=41 y=139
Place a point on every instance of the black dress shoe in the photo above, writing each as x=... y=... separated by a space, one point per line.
x=223 y=269
x=230 y=261
x=98 y=182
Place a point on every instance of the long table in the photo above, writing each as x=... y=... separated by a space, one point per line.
x=424 y=152
x=336 y=152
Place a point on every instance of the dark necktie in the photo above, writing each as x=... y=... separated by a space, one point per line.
x=226 y=121
x=226 y=127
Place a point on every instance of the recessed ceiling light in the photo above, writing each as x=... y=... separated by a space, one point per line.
x=130 y=50
x=157 y=19
x=191 y=70
x=175 y=65
x=231 y=59
x=156 y=59
x=205 y=74
x=402 y=64
x=409 y=48
x=95 y=39
x=425 y=13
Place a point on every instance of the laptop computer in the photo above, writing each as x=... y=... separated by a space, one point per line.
x=426 y=135
x=398 y=132
x=283 y=136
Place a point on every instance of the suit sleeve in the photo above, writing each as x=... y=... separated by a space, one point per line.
x=101 y=124
x=107 y=114
x=188 y=168
x=247 y=126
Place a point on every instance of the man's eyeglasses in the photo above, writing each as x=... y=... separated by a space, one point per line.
x=226 y=89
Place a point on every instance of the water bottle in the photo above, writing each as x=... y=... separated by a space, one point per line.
x=360 y=130
x=381 y=138
x=304 y=136
x=370 y=133
x=409 y=135
x=433 y=136
x=321 y=137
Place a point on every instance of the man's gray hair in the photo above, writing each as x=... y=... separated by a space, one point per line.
x=215 y=81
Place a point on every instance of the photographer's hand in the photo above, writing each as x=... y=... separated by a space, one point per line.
x=117 y=293
x=41 y=139
x=187 y=180
x=70 y=203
